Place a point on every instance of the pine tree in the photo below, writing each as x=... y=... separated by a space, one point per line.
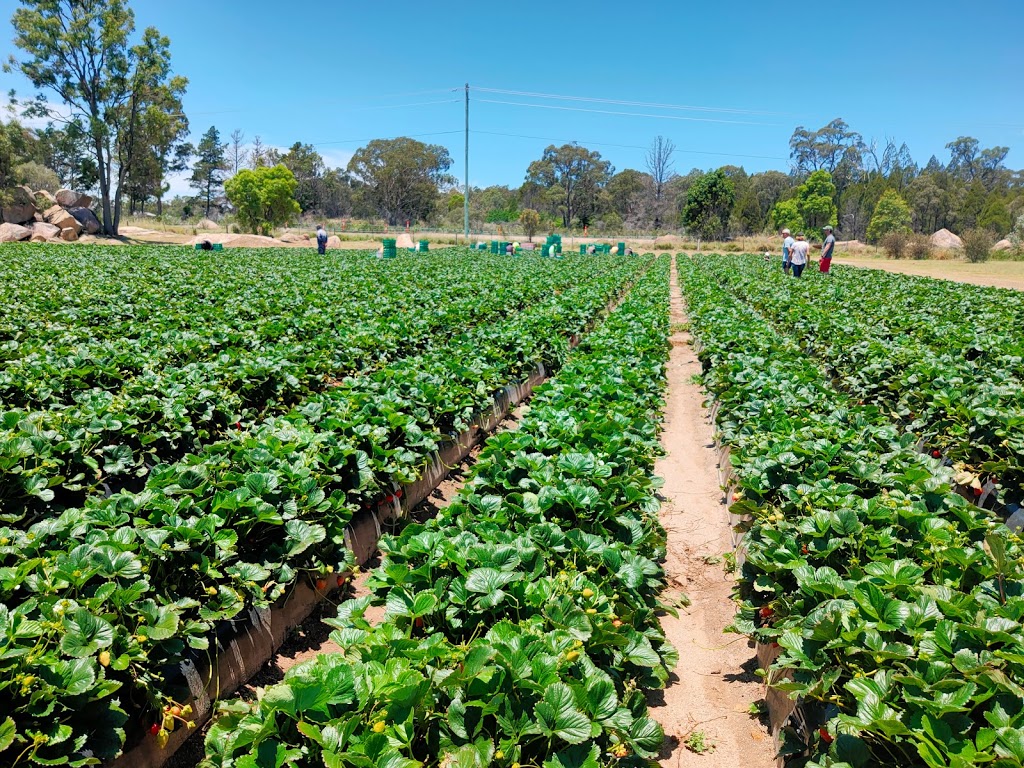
x=211 y=163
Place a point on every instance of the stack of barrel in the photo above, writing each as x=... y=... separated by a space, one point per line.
x=390 y=249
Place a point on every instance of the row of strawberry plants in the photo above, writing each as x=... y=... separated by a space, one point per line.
x=55 y=454
x=521 y=624
x=896 y=604
x=100 y=601
x=953 y=377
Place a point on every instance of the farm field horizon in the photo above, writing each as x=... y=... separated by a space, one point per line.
x=194 y=441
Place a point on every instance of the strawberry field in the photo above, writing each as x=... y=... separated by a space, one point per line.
x=866 y=413
x=184 y=438
x=188 y=440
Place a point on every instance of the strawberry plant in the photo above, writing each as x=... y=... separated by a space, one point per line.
x=896 y=602
x=107 y=586
x=522 y=620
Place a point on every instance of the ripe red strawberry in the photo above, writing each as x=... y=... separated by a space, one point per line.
x=154 y=729
x=825 y=735
x=767 y=611
x=978 y=491
x=936 y=454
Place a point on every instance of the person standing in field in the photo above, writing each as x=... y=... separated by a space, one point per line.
x=321 y=239
x=827 y=249
x=798 y=255
x=787 y=248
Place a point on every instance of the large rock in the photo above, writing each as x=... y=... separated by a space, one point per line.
x=45 y=200
x=402 y=241
x=18 y=213
x=1003 y=245
x=69 y=234
x=44 y=230
x=333 y=242
x=84 y=201
x=945 y=239
x=84 y=216
x=61 y=218
x=208 y=225
x=294 y=237
x=69 y=198
x=12 y=233
x=23 y=195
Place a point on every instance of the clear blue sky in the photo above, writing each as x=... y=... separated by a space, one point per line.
x=336 y=74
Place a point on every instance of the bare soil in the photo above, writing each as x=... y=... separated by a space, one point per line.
x=714 y=686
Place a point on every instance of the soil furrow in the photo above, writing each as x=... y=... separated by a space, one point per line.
x=709 y=711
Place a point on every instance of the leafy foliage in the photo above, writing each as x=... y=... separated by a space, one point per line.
x=892 y=214
x=573 y=174
x=521 y=622
x=709 y=204
x=264 y=197
x=895 y=600
x=401 y=176
x=170 y=473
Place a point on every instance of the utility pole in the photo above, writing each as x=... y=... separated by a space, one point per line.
x=465 y=201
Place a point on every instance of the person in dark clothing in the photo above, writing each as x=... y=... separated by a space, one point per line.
x=206 y=245
x=321 y=239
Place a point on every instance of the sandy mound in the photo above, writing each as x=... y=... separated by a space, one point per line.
x=666 y=240
x=404 y=241
x=132 y=231
x=1003 y=245
x=334 y=241
x=945 y=239
x=238 y=241
x=208 y=224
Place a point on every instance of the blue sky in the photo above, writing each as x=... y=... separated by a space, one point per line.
x=336 y=74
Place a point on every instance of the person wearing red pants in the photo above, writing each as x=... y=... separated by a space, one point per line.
x=827 y=249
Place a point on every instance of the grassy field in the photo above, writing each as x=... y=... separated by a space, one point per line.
x=1000 y=274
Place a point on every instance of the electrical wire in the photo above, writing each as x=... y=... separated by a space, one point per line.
x=629 y=146
x=626 y=114
x=384 y=138
x=626 y=103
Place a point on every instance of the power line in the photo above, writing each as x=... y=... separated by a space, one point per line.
x=626 y=114
x=630 y=146
x=384 y=138
x=624 y=103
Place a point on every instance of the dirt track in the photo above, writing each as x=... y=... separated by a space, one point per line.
x=714 y=684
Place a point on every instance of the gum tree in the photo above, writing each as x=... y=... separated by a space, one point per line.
x=81 y=51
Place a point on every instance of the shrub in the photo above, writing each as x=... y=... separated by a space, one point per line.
x=892 y=214
x=896 y=244
x=978 y=244
x=919 y=247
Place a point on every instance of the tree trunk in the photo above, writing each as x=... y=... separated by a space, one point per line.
x=108 y=223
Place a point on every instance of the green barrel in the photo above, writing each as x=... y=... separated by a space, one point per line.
x=622 y=249
x=494 y=246
x=583 y=248
x=424 y=246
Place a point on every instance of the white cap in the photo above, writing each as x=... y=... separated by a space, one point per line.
x=785 y=232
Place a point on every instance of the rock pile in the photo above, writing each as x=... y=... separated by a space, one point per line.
x=45 y=217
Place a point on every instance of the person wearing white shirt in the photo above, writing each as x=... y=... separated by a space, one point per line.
x=798 y=255
x=787 y=247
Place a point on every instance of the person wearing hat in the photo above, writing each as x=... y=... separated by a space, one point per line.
x=827 y=248
x=787 y=249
